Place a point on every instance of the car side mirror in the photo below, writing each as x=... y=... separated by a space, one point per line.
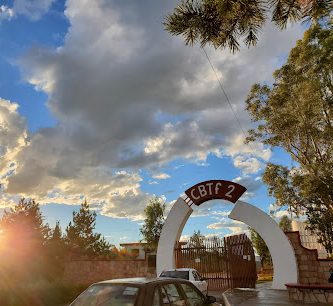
x=210 y=299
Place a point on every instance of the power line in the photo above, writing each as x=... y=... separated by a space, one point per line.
x=227 y=98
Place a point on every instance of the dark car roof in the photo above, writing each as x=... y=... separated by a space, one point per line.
x=140 y=280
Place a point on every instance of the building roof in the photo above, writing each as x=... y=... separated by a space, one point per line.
x=140 y=280
x=133 y=244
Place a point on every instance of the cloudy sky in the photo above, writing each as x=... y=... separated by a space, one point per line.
x=97 y=101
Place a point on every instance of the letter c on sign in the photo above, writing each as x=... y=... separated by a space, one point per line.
x=192 y=195
x=214 y=189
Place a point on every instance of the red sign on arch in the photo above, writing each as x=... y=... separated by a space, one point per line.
x=215 y=189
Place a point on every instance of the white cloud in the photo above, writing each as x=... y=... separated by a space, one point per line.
x=161 y=176
x=6 y=13
x=54 y=180
x=13 y=137
x=279 y=214
x=184 y=237
x=256 y=149
x=33 y=9
x=252 y=184
x=247 y=164
x=116 y=75
x=235 y=227
x=248 y=157
x=212 y=208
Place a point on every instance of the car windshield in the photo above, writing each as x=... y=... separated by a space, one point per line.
x=175 y=274
x=108 y=294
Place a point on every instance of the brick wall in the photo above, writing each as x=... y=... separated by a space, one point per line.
x=90 y=271
x=311 y=270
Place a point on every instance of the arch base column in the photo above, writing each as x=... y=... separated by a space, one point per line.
x=282 y=252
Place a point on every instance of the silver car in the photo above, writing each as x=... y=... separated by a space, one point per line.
x=143 y=292
x=189 y=274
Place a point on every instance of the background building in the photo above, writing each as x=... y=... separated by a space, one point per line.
x=308 y=239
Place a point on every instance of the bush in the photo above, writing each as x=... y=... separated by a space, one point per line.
x=40 y=293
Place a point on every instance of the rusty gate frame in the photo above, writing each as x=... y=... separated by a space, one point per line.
x=227 y=263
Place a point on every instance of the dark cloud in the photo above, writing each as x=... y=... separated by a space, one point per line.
x=127 y=95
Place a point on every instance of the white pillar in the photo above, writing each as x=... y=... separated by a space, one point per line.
x=171 y=232
x=282 y=252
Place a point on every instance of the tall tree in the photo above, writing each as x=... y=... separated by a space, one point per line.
x=285 y=224
x=56 y=243
x=26 y=236
x=222 y=23
x=24 y=227
x=56 y=252
x=80 y=236
x=197 y=240
x=296 y=113
x=320 y=222
x=153 y=223
x=261 y=248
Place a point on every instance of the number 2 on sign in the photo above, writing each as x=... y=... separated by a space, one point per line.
x=231 y=188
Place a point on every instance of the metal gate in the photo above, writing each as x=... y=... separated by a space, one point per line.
x=225 y=263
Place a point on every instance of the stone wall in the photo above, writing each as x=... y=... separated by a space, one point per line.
x=90 y=271
x=311 y=270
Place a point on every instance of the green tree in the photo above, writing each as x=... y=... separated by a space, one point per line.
x=23 y=250
x=25 y=219
x=260 y=245
x=261 y=248
x=296 y=115
x=56 y=243
x=80 y=236
x=197 y=240
x=285 y=224
x=320 y=222
x=56 y=252
x=24 y=227
x=153 y=223
x=222 y=23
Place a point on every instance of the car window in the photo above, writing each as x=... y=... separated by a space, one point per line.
x=165 y=299
x=193 y=296
x=199 y=276
x=174 y=296
x=108 y=294
x=195 y=276
x=175 y=274
x=157 y=299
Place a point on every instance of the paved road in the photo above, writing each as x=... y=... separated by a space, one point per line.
x=261 y=296
x=218 y=295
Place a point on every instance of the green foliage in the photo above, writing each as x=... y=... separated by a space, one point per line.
x=296 y=114
x=260 y=245
x=24 y=222
x=285 y=224
x=197 y=240
x=56 y=244
x=80 y=236
x=153 y=223
x=320 y=221
x=32 y=255
x=222 y=23
x=40 y=293
x=24 y=244
x=261 y=248
x=56 y=252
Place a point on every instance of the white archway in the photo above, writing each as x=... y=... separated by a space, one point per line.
x=283 y=256
x=282 y=252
